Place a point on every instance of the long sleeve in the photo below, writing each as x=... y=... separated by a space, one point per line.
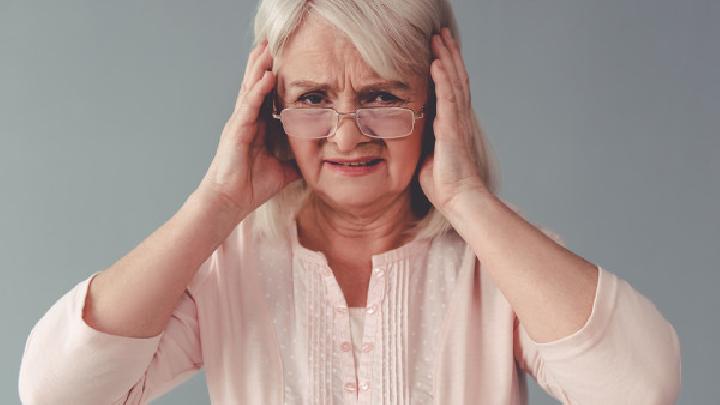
x=68 y=362
x=625 y=353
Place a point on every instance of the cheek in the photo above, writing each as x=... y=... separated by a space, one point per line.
x=403 y=158
x=307 y=157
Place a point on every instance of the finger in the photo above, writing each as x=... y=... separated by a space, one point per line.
x=426 y=176
x=248 y=78
x=446 y=107
x=245 y=85
x=262 y=62
x=257 y=51
x=443 y=54
x=262 y=65
x=249 y=105
x=428 y=165
x=456 y=54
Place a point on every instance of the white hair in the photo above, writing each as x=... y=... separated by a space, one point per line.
x=392 y=37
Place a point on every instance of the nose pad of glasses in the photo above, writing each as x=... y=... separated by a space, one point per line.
x=354 y=128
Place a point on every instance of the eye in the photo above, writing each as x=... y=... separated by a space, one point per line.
x=314 y=98
x=382 y=97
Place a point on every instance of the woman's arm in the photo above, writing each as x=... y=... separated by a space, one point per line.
x=136 y=296
x=66 y=361
x=550 y=288
x=586 y=335
x=626 y=353
x=241 y=177
x=552 y=291
x=131 y=329
x=70 y=361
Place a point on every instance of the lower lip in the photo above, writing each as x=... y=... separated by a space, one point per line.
x=354 y=170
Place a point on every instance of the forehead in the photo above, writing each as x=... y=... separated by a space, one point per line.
x=319 y=52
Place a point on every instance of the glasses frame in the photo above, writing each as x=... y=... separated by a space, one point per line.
x=341 y=115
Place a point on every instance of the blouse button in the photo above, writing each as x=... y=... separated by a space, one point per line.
x=372 y=309
x=346 y=346
x=377 y=270
x=364 y=386
x=350 y=386
x=367 y=347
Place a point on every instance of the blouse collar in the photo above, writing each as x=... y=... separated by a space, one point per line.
x=409 y=249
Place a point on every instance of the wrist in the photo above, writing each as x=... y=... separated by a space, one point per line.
x=216 y=203
x=461 y=208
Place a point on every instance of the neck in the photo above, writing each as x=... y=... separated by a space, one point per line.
x=373 y=229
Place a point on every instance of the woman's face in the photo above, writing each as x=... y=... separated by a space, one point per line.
x=335 y=76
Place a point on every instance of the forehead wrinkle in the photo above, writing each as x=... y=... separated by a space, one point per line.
x=330 y=72
x=320 y=58
x=372 y=86
x=330 y=68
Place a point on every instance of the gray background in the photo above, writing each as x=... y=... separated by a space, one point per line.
x=603 y=116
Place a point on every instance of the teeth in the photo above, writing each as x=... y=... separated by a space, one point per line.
x=353 y=163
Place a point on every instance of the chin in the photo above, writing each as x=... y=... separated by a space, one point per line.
x=351 y=195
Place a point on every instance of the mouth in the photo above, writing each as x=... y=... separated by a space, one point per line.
x=354 y=167
x=354 y=163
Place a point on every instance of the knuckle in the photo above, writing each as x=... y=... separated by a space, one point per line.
x=240 y=112
x=240 y=115
x=242 y=97
x=254 y=51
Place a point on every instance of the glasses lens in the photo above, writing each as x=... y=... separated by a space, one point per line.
x=385 y=122
x=308 y=122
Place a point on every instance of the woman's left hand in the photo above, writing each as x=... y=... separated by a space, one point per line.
x=450 y=171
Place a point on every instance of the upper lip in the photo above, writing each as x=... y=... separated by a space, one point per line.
x=360 y=159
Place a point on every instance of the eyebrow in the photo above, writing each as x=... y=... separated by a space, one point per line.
x=379 y=85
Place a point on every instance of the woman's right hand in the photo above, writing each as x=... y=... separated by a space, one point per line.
x=243 y=174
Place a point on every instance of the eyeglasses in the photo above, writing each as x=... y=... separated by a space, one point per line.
x=379 y=122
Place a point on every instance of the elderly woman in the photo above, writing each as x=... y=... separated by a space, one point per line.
x=346 y=246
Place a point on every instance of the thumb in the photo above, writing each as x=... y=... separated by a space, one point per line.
x=425 y=176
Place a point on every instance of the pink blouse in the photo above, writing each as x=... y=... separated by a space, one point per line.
x=268 y=322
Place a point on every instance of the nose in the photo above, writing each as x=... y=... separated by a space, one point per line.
x=347 y=135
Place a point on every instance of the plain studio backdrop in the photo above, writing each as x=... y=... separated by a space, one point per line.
x=603 y=116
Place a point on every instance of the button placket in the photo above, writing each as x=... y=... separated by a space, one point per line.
x=367 y=353
x=341 y=334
